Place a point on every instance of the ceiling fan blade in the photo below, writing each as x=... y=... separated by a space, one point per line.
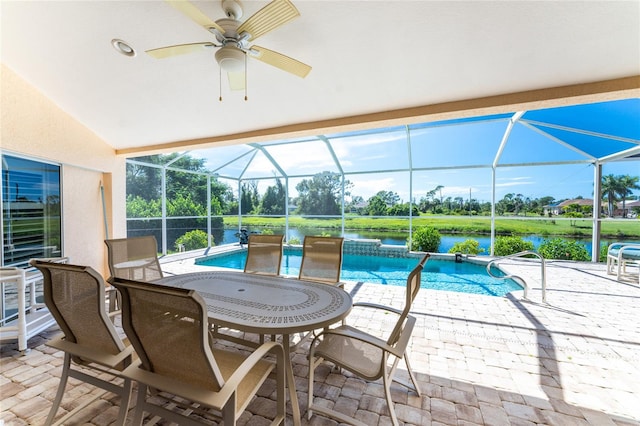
x=279 y=60
x=178 y=49
x=270 y=17
x=195 y=14
x=236 y=80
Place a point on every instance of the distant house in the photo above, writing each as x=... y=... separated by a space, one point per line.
x=558 y=208
x=631 y=207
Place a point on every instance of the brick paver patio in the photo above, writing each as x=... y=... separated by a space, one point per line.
x=479 y=359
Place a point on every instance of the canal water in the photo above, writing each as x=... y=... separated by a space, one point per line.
x=447 y=241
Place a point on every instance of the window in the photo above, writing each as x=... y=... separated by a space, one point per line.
x=31 y=222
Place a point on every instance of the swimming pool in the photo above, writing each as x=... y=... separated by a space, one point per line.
x=438 y=274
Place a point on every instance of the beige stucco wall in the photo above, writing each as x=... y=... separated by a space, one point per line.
x=32 y=126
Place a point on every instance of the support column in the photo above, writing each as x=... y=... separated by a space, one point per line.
x=597 y=196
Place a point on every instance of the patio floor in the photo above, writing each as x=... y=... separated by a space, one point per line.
x=479 y=359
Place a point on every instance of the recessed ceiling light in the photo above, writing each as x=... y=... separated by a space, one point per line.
x=123 y=47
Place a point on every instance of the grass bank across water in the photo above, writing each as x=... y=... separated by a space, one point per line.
x=545 y=227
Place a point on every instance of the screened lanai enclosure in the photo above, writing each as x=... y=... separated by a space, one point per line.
x=519 y=166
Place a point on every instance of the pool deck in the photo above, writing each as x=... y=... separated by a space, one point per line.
x=574 y=360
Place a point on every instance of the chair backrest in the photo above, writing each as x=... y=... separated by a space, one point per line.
x=264 y=255
x=168 y=327
x=321 y=259
x=134 y=258
x=413 y=286
x=75 y=296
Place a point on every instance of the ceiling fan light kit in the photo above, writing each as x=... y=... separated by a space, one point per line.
x=233 y=38
x=230 y=58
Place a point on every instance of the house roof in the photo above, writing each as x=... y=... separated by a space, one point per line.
x=578 y=201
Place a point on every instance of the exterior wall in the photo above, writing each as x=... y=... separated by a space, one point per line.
x=32 y=126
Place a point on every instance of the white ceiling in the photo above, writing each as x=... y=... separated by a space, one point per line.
x=367 y=57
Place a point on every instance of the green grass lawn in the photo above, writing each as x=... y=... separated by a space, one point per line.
x=457 y=224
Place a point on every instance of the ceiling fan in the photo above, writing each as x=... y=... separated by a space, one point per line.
x=233 y=38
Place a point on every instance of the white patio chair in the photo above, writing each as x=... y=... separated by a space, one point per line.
x=619 y=256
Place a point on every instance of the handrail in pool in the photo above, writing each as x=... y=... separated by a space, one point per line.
x=543 y=272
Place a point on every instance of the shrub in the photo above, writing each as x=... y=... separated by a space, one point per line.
x=505 y=246
x=425 y=238
x=193 y=240
x=559 y=248
x=604 y=250
x=469 y=246
x=294 y=240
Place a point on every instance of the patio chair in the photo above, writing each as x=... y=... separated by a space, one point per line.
x=93 y=351
x=177 y=364
x=621 y=254
x=321 y=259
x=366 y=355
x=264 y=254
x=31 y=316
x=134 y=258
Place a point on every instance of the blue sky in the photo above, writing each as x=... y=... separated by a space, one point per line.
x=458 y=154
x=560 y=182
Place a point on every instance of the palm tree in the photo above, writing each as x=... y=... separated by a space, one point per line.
x=610 y=188
x=627 y=185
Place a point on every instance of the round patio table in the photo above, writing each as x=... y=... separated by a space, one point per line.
x=267 y=305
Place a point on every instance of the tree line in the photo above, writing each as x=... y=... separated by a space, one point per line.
x=320 y=194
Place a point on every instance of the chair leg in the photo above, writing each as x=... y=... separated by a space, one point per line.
x=411 y=375
x=124 y=401
x=142 y=396
x=310 y=388
x=387 y=392
x=60 y=393
x=621 y=268
x=229 y=410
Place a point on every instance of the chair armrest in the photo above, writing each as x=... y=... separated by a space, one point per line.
x=352 y=333
x=620 y=246
x=631 y=250
x=90 y=354
x=231 y=384
x=197 y=394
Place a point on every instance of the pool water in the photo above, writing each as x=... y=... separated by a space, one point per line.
x=438 y=274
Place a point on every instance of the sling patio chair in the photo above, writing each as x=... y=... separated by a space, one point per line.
x=321 y=262
x=321 y=259
x=179 y=374
x=264 y=257
x=620 y=255
x=135 y=258
x=365 y=354
x=264 y=254
x=93 y=351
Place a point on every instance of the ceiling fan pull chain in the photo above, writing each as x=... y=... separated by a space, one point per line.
x=220 y=83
